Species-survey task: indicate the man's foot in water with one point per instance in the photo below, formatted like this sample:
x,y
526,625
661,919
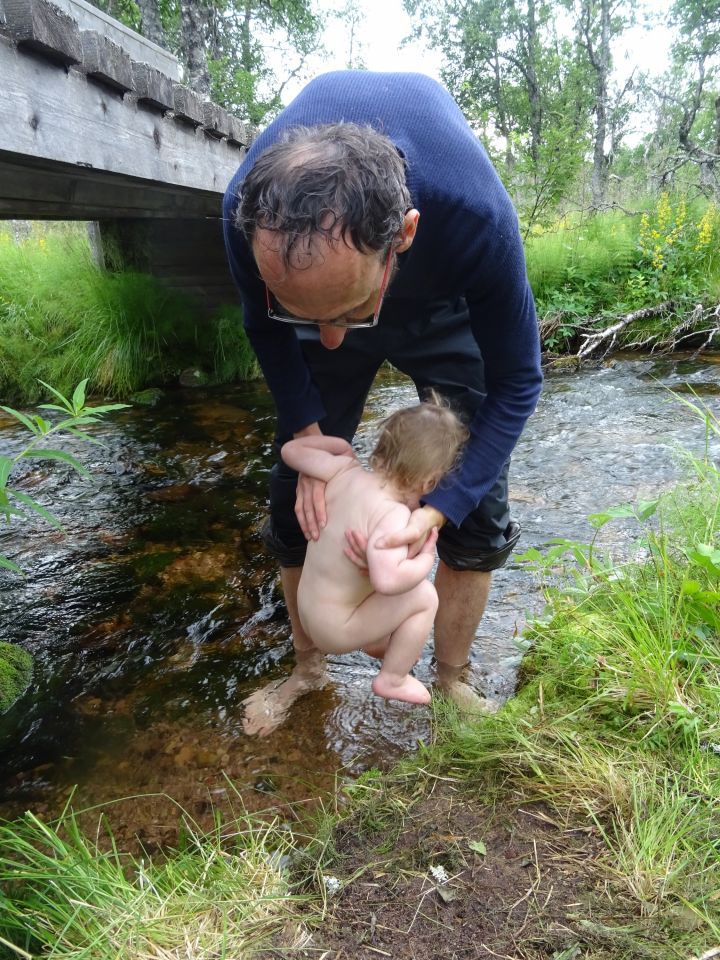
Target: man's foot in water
x,y
450,682
266,709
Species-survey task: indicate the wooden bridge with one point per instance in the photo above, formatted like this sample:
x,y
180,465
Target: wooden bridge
x,y
96,125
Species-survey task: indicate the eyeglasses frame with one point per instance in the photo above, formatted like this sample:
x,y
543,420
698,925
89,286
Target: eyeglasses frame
x,y
349,325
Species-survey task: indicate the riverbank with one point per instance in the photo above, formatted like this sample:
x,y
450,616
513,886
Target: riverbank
x,y
609,281
579,821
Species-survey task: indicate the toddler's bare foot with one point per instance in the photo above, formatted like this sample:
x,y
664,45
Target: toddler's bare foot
x,y
266,709
410,690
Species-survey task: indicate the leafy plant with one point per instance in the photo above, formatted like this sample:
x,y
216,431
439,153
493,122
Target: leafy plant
x,y
76,417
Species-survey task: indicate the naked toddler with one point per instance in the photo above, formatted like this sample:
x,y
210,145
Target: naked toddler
x,y
390,610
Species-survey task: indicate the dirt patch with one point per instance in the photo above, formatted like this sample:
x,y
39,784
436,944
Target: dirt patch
x,y
519,887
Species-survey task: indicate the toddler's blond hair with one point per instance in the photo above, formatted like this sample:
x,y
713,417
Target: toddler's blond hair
x,y
419,445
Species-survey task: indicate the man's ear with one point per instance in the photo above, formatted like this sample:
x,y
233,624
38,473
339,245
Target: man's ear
x,y
407,231
429,485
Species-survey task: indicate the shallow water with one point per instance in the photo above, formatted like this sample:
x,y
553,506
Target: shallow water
x,y
156,611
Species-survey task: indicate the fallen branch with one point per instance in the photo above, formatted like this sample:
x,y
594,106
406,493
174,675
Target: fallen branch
x,y
609,335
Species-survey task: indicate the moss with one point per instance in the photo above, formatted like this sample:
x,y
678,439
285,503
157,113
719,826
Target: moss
x,y
16,667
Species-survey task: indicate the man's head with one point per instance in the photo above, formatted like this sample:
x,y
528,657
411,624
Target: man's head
x,y
325,210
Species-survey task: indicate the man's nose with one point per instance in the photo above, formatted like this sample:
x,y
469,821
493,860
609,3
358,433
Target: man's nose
x,y
332,337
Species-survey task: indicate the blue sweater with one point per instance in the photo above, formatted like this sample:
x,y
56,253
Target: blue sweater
x,y
467,243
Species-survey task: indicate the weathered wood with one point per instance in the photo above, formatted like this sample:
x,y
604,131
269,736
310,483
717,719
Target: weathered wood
x,y
139,48
215,120
60,118
238,132
39,189
187,255
187,105
152,87
45,29
103,60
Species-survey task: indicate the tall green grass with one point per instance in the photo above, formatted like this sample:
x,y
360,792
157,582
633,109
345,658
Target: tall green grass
x,y
590,269
618,713
62,319
219,895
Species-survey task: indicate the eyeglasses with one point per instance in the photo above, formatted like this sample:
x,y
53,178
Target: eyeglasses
x,y
354,324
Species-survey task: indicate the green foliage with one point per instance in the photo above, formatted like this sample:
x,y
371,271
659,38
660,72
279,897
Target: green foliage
x,y
221,894
63,319
16,667
76,418
244,78
596,267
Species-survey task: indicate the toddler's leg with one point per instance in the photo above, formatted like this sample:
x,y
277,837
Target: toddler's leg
x,y
406,644
377,650
409,617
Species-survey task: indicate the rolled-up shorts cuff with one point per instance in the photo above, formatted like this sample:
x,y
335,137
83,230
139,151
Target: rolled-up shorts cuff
x,y
287,554
460,556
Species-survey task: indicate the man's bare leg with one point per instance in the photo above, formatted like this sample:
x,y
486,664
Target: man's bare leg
x,y
463,597
265,709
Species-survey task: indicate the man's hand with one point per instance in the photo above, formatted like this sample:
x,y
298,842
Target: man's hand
x,y
310,496
310,506
421,523
418,534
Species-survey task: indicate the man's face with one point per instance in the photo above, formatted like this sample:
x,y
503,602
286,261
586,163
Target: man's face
x,y
326,280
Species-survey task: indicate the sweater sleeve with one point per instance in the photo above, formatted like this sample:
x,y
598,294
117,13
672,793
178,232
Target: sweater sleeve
x,y
504,324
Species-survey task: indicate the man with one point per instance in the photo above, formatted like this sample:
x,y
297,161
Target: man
x,y
366,224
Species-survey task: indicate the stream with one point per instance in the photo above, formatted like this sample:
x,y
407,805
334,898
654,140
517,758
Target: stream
x,y
155,611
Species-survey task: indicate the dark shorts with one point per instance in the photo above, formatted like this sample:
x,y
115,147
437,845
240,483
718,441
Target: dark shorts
x,y
432,344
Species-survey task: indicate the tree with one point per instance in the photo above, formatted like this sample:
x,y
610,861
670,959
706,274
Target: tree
x,y
697,49
151,23
256,48
520,84
195,18
351,15
599,22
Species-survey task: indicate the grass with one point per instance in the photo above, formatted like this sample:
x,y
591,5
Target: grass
x,y
62,319
588,270
64,895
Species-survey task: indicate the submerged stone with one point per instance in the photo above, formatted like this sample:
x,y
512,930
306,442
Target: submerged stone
x,y
147,398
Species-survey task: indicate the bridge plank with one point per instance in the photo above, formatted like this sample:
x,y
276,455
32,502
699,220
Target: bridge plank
x,y
60,118
45,29
152,87
103,60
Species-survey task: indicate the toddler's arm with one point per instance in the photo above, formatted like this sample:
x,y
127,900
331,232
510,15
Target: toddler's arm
x,y
389,568
317,455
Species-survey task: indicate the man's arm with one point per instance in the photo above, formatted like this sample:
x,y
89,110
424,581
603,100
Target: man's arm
x,y
317,455
504,324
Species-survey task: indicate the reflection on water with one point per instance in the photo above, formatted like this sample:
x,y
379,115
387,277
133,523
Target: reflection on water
x,y
156,611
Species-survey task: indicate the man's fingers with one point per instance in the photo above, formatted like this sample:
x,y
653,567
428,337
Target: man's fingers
x,y
309,494
318,502
356,549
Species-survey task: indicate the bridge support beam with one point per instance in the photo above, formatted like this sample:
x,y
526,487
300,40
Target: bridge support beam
x,y
188,255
